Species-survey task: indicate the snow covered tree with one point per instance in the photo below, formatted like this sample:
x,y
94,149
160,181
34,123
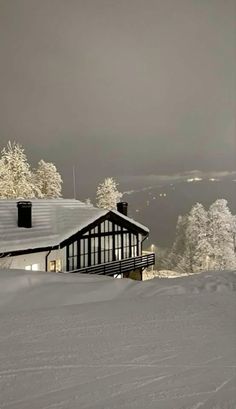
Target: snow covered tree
x,y
16,180
48,180
178,248
108,194
205,240
222,236
88,202
197,246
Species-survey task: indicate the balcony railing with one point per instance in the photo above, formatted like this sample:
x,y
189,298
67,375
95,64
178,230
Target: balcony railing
x,y
119,267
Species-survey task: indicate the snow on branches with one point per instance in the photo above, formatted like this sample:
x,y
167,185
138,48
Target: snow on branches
x,y
18,181
108,194
48,180
205,240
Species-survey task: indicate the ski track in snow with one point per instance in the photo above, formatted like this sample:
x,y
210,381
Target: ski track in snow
x,y
138,349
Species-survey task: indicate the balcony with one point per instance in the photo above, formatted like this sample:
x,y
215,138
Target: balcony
x,y
119,267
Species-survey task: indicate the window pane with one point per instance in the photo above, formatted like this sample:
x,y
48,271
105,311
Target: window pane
x,y
118,240
106,226
95,258
133,239
92,244
35,267
81,261
52,265
86,260
118,254
108,242
134,251
102,257
71,264
96,243
85,245
71,249
82,246
75,248
28,267
126,252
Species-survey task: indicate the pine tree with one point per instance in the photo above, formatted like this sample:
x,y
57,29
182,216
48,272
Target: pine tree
x,y
16,179
48,180
108,194
222,236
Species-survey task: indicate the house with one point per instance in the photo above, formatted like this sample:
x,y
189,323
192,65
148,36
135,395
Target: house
x,y
68,235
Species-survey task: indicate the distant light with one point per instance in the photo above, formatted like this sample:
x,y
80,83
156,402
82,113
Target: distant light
x,y
194,180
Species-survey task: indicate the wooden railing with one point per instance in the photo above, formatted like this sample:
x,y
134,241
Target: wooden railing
x,y
119,267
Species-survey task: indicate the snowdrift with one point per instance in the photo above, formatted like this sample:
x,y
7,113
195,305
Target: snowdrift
x,y
72,341
20,289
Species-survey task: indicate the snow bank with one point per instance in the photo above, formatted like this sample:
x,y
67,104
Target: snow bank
x,y
20,289
69,341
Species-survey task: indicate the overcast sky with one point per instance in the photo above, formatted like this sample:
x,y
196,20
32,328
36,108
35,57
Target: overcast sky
x,y
120,87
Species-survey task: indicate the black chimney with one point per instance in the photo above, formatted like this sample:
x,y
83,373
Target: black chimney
x,y
122,207
24,214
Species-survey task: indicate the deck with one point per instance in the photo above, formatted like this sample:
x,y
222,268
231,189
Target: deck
x,y
119,267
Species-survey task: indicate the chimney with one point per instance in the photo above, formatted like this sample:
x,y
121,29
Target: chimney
x,y
122,207
24,214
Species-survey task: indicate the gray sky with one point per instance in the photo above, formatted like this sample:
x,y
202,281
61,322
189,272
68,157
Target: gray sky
x,y
120,87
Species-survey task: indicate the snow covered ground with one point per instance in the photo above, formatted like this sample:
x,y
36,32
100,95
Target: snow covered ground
x,y
70,341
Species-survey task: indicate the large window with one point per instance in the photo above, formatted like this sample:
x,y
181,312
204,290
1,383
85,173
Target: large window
x,y
72,256
104,243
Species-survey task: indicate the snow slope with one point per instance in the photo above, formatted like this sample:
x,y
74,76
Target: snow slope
x,y
70,341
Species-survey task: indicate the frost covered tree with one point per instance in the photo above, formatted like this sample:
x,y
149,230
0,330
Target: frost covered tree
x,y
177,251
108,194
88,202
197,247
16,179
48,180
205,240
221,236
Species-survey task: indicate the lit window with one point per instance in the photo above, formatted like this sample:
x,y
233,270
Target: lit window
x,y
35,267
55,265
28,267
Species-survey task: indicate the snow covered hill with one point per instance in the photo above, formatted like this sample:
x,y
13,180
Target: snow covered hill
x,y
70,341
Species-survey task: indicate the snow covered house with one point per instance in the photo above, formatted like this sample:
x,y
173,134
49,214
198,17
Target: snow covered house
x,y
68,235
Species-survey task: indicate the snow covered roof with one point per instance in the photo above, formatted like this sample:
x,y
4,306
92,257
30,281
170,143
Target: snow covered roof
x,y
53,221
